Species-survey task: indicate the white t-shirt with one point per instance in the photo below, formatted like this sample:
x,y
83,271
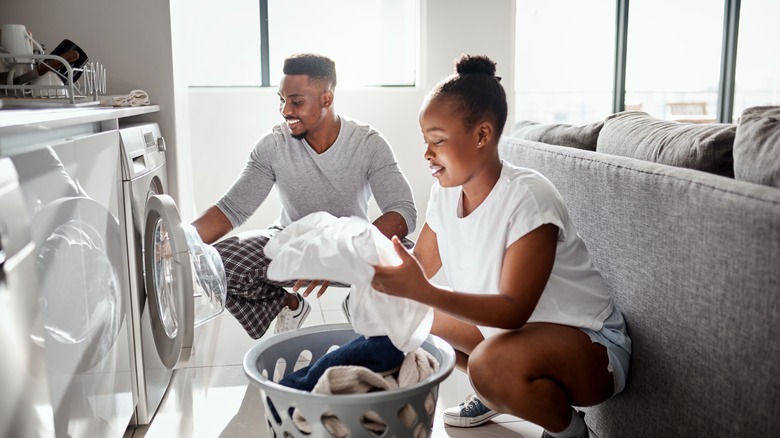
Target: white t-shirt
x,y
472,248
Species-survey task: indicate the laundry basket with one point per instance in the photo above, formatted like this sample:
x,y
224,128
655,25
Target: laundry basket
x,y
271,359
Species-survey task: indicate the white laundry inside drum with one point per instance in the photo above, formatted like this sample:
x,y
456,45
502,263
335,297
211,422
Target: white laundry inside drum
x,y
163,275
208,278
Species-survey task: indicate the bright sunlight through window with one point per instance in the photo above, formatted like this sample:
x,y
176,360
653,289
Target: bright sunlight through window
x,y
373,42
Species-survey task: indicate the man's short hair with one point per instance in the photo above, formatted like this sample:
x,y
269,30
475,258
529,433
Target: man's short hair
x,y
317,67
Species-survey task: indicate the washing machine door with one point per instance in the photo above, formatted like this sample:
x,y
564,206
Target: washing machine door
x,y
169,281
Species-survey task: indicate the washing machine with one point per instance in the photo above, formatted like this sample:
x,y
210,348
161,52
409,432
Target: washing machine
x,y
25,407
71,190
166,276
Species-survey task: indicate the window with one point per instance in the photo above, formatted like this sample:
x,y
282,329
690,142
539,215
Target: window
x,y
373,42
225,49
757,78
564,60
673,57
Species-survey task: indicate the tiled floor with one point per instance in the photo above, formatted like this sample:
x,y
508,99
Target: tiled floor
x,y
213,396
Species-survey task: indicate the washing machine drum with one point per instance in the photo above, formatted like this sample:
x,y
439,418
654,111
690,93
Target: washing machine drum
x,y
185,280
82,300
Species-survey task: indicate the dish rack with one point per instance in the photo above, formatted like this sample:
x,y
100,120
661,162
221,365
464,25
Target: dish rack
x,y
85,91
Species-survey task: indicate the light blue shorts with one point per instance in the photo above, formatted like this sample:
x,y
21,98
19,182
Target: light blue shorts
x,y
614,337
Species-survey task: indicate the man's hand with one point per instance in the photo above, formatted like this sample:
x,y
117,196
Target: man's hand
x,y
312,284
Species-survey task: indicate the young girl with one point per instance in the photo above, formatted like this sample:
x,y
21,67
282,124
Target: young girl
x,y
528,314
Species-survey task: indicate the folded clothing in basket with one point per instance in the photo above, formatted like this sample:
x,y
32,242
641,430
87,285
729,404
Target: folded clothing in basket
x,y
320,246
376,354
416,367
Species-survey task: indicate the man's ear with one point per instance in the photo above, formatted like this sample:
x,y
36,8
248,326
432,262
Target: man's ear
x,y
327,98
484,133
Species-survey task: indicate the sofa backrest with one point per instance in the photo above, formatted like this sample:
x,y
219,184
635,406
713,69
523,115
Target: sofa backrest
x,y
693,261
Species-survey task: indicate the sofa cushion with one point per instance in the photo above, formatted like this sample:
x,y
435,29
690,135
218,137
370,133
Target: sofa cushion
x,y
757,146
580,137
634,134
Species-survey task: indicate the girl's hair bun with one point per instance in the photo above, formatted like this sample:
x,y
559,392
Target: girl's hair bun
x,y
479,64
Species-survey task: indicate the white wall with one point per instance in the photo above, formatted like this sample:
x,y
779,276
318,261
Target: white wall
x,y
133,40
225,123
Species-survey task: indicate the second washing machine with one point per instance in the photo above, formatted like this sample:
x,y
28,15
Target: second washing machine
x,y
71,194
25,407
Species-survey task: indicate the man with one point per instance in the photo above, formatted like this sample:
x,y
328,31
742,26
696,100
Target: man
x,y
319,161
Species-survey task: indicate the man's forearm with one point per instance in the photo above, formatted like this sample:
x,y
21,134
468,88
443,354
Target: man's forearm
x,y
392,224
212,225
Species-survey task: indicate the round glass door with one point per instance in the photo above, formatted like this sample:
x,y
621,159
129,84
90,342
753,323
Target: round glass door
x,y
164,276
168,276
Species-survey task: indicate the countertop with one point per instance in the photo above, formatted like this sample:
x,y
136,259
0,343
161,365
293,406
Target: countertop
x,y
26,129
51,117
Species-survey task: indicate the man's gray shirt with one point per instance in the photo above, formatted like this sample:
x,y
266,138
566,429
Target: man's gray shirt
x,y
339,181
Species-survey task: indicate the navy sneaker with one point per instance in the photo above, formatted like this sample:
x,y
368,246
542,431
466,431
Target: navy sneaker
x,y
470,413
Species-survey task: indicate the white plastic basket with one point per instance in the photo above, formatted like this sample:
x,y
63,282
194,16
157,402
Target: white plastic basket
x,y
271,359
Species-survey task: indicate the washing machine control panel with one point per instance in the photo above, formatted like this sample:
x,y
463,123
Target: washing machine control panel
x,y
143,148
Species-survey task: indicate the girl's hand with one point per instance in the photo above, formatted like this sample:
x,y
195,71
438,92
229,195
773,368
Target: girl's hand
x,y
406,280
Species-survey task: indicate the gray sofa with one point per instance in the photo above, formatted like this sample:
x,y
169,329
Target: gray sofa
x,y
693,261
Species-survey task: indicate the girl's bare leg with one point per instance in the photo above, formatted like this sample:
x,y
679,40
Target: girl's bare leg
x,y
539,371
463,337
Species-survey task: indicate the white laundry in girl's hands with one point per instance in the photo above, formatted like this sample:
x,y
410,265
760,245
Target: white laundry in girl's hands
x,y
317,247
320,246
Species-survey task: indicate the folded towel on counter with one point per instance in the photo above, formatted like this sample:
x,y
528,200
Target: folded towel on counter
x,y
417,366
376,354
320,246
134,98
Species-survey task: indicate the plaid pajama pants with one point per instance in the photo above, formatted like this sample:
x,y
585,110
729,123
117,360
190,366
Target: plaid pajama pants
x,y
252,298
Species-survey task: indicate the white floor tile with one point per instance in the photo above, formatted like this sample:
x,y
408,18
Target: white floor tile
x,y
208,402
513,429
334,316
331,299
221,342
314,318
313,302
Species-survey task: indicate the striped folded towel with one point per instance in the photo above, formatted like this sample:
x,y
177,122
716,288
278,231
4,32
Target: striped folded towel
x,y
134,98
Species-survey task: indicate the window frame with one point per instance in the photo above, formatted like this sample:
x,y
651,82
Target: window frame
x,y
728,62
